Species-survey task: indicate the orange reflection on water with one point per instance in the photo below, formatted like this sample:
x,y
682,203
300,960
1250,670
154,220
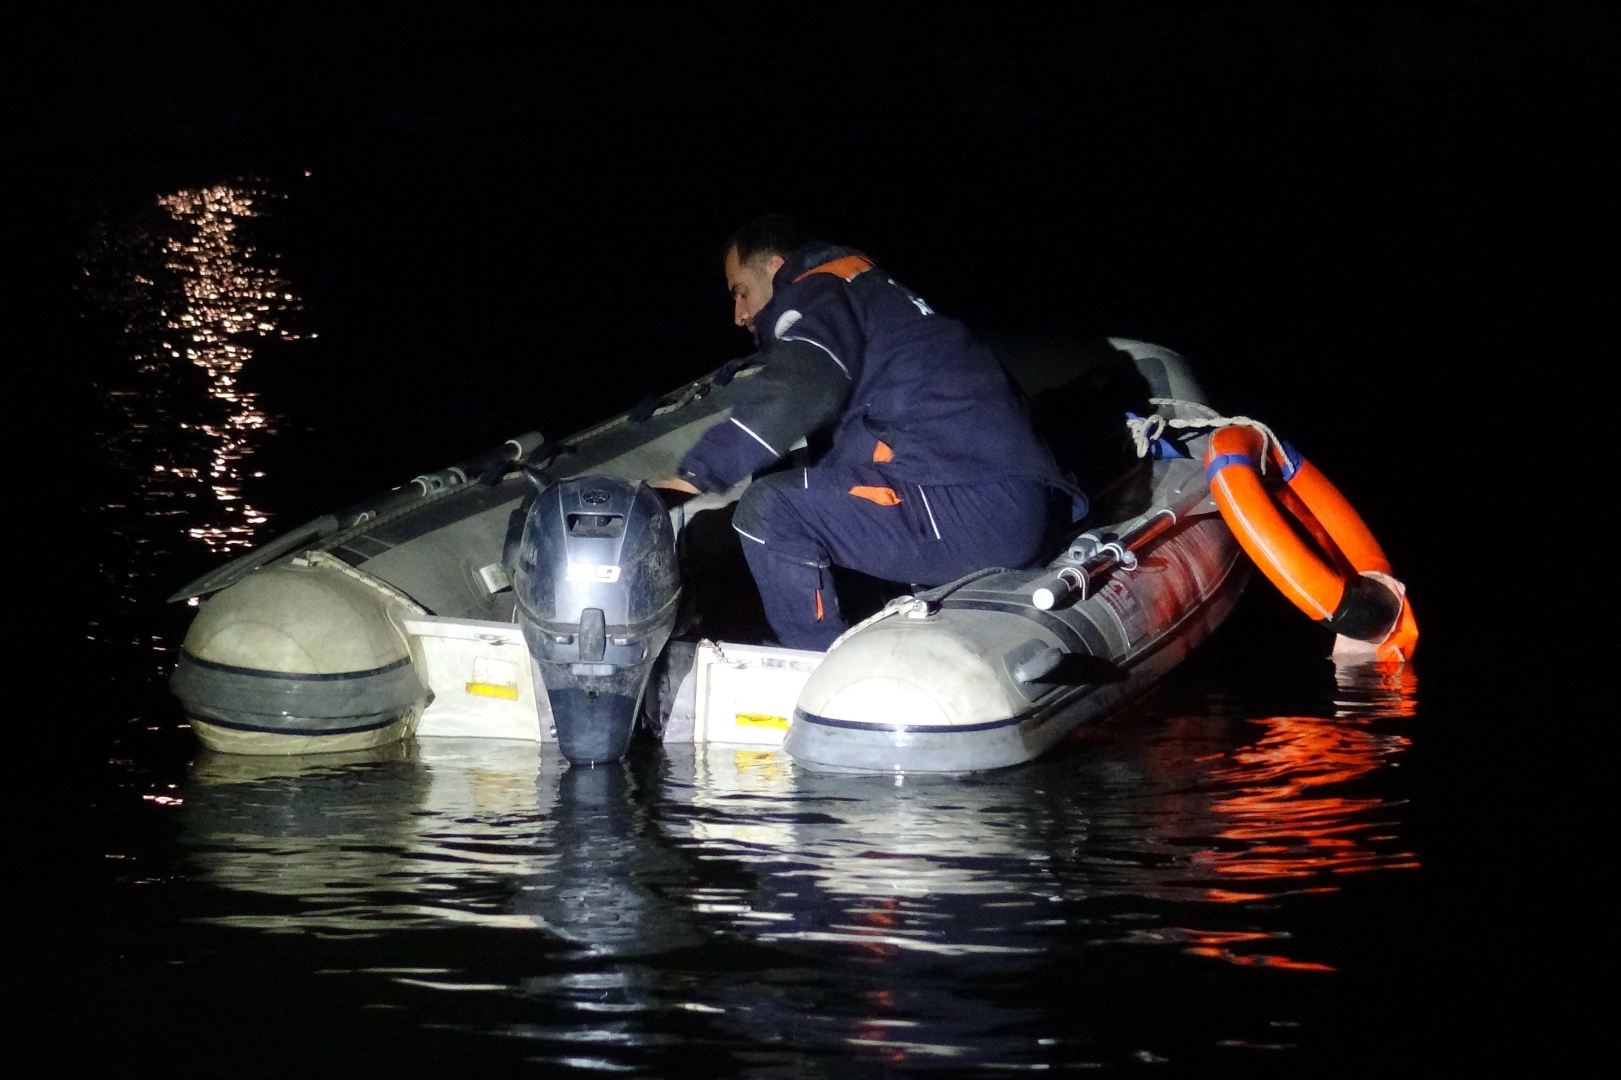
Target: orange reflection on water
x,y
1286,813
1282,820
1256,959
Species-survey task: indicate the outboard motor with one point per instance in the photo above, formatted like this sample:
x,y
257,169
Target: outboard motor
x,y
597,588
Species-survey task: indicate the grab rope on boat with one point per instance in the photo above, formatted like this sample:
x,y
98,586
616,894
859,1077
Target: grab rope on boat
x,y
911,606
1145,429
921,606
328,561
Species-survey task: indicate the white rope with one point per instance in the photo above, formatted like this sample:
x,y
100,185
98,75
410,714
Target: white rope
x,y
901,605
328,561
720,654
1145,430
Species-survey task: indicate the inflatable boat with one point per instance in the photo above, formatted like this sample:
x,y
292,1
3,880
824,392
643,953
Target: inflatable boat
x,y
547,579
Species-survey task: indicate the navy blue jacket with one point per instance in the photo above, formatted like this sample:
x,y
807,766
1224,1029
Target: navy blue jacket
x,y
912,395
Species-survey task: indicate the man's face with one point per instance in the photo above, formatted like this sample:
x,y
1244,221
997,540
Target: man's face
x,y
750,284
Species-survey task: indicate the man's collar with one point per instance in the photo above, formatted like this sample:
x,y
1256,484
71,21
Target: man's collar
x,y
812,254
805,258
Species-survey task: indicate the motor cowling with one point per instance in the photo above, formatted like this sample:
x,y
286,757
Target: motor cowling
x,y
597,588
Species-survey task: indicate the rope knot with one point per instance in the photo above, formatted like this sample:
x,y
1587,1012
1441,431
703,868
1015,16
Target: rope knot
x,y
1145,430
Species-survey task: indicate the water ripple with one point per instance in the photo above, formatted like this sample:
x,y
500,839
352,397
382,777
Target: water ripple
x,y
1154,837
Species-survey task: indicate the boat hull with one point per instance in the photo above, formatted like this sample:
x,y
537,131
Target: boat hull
x,y
302,647
233,738
836,744
250,711
329,601
299,659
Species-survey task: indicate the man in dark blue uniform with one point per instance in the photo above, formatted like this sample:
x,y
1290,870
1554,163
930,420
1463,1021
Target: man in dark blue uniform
x,y
935,470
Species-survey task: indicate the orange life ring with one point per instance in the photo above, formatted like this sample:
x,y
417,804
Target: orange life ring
x,y
1351,591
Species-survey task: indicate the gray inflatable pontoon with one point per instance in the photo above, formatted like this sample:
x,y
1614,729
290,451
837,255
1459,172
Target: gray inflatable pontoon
x,y
302,646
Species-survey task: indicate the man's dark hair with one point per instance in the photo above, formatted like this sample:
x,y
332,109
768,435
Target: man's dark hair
x,y
772,234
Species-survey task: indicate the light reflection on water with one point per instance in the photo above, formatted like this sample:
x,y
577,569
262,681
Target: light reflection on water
x,y
226,298
900,896
192,297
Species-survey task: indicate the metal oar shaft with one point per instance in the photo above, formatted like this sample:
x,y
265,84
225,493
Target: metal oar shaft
x,y
1074,583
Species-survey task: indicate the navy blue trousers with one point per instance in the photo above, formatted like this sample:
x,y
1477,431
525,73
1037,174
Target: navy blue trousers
x,y
796,524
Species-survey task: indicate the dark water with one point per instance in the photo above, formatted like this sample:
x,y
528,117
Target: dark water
x,y
1267,867
1163,892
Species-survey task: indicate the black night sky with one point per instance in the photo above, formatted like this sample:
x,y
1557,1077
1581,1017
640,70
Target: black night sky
x,y
1376,226
1381,227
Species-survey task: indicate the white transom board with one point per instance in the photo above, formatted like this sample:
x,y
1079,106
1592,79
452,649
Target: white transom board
x,y
482,680
746,694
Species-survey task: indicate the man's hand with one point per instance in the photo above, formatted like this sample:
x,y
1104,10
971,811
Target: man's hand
x,y
682,508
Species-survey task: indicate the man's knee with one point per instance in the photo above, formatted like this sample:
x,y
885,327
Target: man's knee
x,y
763,510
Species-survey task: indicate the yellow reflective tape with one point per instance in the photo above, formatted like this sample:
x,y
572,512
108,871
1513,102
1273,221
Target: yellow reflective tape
x,y
500,690
765,720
